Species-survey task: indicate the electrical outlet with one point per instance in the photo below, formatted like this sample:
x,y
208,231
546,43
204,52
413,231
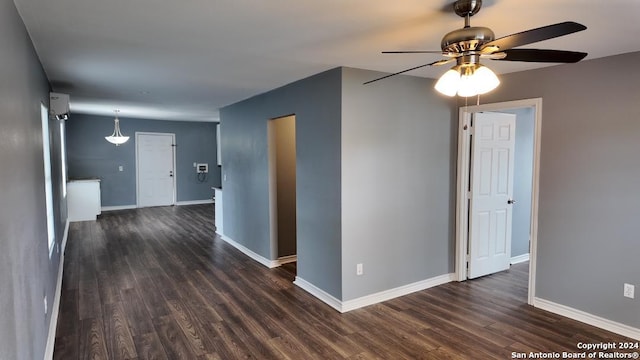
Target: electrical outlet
x,y
45,305
629,291
202,168
120,168
359,269
195,164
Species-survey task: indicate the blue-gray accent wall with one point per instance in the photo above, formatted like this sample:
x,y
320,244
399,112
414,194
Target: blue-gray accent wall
x,y
90,155
316,103
27,272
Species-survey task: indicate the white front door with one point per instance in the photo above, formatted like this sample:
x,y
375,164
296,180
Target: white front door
x,y
492,163
155,169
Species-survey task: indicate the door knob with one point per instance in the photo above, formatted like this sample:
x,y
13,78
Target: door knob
x,y
511,201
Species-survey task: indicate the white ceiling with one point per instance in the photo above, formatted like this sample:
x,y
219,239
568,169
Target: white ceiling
x,y
183,60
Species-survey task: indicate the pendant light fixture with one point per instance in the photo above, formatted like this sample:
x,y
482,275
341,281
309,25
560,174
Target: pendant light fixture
x,y
117,138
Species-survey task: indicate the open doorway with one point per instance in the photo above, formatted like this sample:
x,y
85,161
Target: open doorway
x,y
516,216
282,188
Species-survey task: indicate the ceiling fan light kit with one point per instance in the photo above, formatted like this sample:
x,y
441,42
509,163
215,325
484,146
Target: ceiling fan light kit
x,y
467,80
467,45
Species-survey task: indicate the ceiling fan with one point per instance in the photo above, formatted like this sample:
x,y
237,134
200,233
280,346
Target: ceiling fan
x,y
468,45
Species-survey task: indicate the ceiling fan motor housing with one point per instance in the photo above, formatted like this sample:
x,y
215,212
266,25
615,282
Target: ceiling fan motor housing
x,y
466,39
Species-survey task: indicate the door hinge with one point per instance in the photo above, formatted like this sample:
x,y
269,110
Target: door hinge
x,y
467,266
469,194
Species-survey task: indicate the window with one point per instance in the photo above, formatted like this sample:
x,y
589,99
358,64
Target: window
x,y
48,188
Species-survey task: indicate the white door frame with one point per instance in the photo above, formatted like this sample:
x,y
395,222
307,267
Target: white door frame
x,y
273,188
272,156
462,204
173,152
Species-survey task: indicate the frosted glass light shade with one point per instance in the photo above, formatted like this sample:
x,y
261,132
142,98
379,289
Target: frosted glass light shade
x,y
467,85
485,80
449,82
116,138
467,80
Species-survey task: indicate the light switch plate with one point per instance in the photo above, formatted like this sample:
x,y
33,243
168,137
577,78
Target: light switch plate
x,y
629,291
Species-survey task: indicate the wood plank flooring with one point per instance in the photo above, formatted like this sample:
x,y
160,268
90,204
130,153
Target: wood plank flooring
x,y
156,283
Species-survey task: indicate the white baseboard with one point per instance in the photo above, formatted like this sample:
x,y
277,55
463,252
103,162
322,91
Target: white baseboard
x,y
396,292
286,259
53,322
250,253
194,202
65,236
587,318
119,207
319,293
519,259
345,306
178,203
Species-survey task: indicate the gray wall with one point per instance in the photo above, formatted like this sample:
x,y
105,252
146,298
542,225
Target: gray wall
x,y
588,228
90,155
316,102
398,182
26,272
285,166
522,181
589,174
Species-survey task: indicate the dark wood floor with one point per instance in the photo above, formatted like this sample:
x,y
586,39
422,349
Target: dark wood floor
x,y
156,284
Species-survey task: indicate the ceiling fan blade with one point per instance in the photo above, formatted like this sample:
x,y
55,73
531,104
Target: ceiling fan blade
x,y
402,72
413,52
543,56
532,36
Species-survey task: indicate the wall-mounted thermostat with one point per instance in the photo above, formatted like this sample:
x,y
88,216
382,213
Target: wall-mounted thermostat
x,y
202,168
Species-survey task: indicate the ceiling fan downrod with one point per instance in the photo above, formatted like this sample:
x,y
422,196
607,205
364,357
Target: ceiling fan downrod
x,y
466,9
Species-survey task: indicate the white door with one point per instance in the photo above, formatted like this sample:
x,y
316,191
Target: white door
x,y
155,169
492,162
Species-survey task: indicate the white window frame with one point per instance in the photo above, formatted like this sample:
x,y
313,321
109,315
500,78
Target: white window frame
x,y
48,184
